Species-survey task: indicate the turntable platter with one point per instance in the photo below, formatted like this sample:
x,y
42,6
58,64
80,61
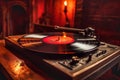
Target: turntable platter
x,y
58,43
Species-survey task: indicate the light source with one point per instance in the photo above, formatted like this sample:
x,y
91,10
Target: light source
x,y
67,24
65,9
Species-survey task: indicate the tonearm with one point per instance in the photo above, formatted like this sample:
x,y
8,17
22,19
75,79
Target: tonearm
x,y
88,32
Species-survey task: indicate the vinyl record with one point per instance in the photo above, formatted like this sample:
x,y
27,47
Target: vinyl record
x,y
58,43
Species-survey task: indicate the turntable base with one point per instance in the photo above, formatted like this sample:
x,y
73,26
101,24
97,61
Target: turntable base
x,y
87,67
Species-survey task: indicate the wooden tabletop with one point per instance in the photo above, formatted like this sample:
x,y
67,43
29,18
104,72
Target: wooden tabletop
x,y
17,68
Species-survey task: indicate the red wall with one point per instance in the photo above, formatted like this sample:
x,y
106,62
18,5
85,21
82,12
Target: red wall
x,y
55,10
59,16
40,9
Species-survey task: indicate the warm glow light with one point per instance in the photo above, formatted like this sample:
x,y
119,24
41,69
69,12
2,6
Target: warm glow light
x,y
64,34
17,67
65,3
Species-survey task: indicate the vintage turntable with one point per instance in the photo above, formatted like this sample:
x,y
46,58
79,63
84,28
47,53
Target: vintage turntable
x,y
65,55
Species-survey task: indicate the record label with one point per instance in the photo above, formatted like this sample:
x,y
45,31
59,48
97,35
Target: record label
x,y
58,40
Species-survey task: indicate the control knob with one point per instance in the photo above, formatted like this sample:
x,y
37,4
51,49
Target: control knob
x,y
75,60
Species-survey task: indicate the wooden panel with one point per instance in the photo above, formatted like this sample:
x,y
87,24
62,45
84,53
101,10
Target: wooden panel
x,y
103,15
78,13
